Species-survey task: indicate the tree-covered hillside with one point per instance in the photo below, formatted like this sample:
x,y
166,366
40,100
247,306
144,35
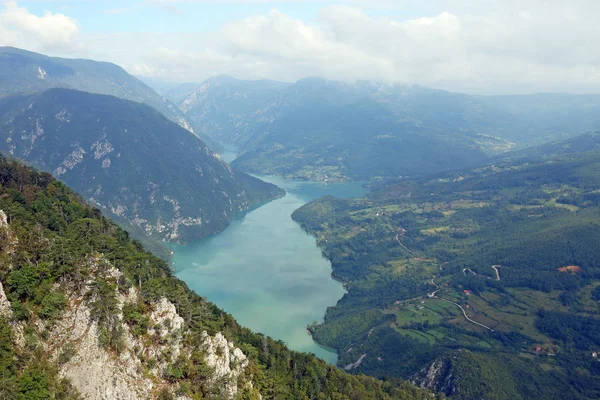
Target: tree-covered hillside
x,y
579,144
130,160
224,108
324,130
318,129
86,312
478,283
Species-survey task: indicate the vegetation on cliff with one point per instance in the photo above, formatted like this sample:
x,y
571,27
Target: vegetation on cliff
x,y
58,253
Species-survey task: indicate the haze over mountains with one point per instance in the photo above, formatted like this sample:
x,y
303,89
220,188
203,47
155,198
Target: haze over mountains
x,y
324,130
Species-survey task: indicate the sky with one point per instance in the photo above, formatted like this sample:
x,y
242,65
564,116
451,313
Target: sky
x,y
472,46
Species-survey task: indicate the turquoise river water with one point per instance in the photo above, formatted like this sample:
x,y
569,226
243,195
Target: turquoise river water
x,y
266,271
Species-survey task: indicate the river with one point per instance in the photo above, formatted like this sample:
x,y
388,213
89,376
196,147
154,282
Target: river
x,y
266,271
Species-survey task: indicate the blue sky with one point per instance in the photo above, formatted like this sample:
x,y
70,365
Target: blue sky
x,y
127,16
474,46
165,16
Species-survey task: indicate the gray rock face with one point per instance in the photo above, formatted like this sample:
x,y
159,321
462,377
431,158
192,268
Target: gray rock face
x,y
137,370
5,310
437,377
227,361
8,241
93,370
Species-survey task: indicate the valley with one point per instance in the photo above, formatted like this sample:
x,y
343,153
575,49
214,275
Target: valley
x,y
266,271
448,274
312,239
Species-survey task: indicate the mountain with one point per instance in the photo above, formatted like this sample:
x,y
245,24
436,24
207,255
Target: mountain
x,y
222,107
579,144
325,130
85,312
328,130
130,160
478,283
25,72
543,117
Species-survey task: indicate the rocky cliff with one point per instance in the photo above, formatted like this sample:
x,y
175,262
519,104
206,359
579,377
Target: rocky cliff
x,y
136,369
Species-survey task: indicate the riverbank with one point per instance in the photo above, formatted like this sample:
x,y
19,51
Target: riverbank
x,y
266,271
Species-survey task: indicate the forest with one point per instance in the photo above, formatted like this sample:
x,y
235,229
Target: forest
x,y
500,261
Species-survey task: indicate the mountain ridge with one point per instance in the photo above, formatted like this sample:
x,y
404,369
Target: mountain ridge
x,y
489,125
129,159
26,72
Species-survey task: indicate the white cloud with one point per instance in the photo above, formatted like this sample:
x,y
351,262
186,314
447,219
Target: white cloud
x,y
522,47
465,45
50,32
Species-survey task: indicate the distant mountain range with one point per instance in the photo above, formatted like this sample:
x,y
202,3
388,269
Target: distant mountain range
x,y
325,130
578,144
224,108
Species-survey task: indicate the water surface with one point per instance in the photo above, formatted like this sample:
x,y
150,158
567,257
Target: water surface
x,y
266,271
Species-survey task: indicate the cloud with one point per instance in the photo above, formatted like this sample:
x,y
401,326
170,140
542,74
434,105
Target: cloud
x,y
483,46
50,32
524,47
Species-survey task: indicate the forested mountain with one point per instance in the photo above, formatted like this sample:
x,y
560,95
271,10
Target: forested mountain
x,y
225,108
324,130
579,144
480,283
85,312
130,160
538,118
25,72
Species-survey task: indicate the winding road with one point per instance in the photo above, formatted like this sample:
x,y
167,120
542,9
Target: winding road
x,y
401,229
465,313
497,273
495,267
432,294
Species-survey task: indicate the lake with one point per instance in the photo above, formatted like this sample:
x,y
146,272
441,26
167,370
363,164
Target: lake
x,y
266,271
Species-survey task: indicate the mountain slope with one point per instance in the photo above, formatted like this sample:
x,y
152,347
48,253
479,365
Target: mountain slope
x,y
223,107
319,129
24,72
480,283
130,160
87,313
543,117
579,144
